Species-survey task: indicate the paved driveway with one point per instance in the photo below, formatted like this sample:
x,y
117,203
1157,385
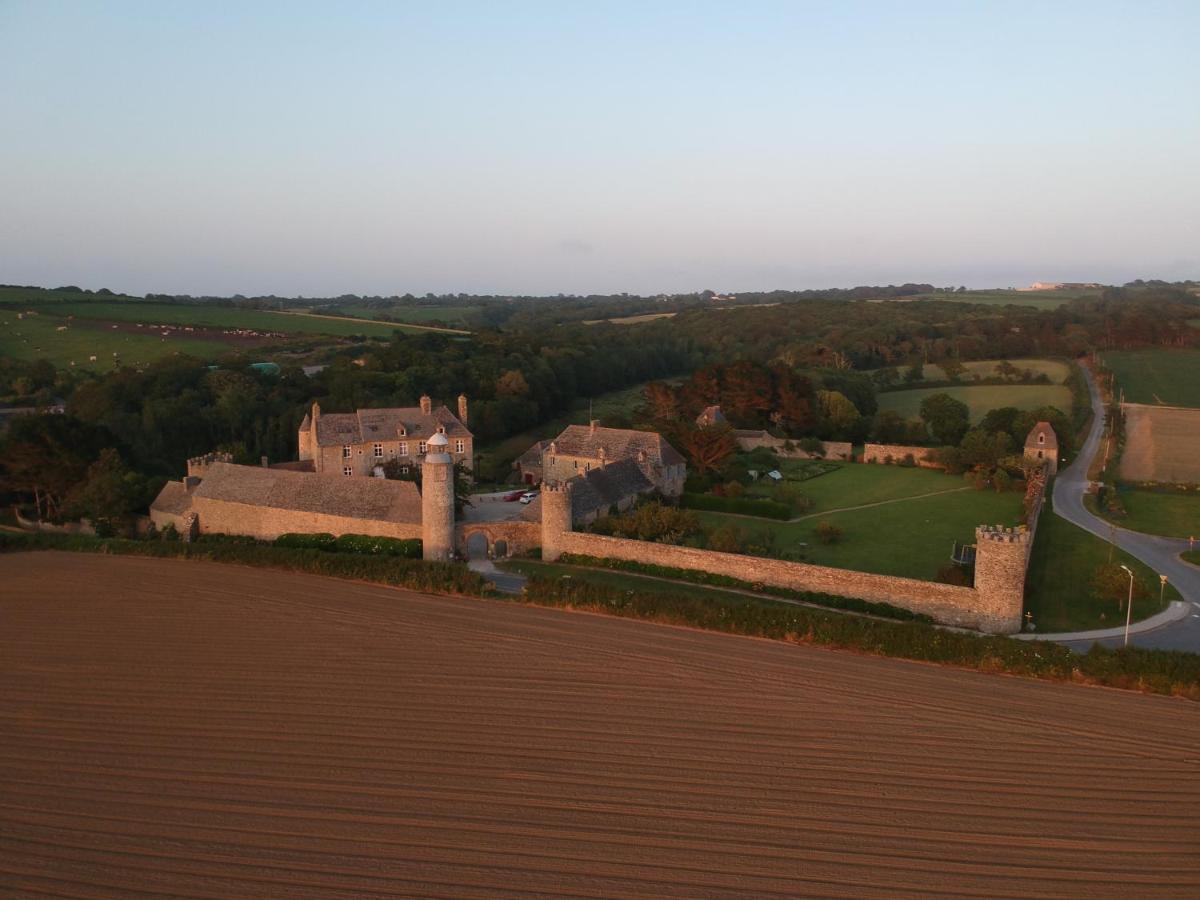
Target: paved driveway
x,y
1159,553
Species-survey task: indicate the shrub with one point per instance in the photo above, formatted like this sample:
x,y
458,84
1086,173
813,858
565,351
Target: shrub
x,y
378,546
828,533
319,541
170,533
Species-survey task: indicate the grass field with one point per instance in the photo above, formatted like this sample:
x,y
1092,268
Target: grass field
x,y
854,484
631,320
1055,369
1168,377
37,337
418,315
1036,299
1171,515
980,398
913,537
1065,559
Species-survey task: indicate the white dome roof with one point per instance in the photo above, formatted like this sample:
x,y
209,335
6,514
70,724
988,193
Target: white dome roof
x,y
438,440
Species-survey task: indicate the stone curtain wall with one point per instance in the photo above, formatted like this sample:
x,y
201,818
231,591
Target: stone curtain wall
x,y
948,604
751,440
266,524
896,453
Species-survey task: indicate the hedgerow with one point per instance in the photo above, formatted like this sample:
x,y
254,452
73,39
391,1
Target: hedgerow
x,y
767,509
1153,671
353,543
711,579
434,577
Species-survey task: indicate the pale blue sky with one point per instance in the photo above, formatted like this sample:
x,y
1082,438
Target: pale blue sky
x,y
542,147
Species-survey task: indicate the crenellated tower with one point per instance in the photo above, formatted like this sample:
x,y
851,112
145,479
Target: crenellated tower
x,y
1001,560
556,518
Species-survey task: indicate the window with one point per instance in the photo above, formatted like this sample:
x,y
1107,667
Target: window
x,y
575,463
346,451
441,429
460,446
379,451
587,467
404,470
347,470
1041,439
404,448
422,447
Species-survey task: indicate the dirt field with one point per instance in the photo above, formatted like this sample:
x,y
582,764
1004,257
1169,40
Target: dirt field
x,y
1161,444
201,730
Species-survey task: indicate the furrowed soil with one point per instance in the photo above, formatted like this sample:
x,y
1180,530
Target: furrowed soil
x,y
193,729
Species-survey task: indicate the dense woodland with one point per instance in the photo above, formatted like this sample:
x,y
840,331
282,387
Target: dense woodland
x,y
799,368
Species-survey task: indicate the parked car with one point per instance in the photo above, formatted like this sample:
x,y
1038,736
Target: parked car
x,y
528,496
514,496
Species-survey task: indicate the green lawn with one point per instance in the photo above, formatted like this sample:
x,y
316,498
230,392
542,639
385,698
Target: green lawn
x,y
37,337
980,398
854,484
912,537
1057,591
1172,515
1169,377
1191,556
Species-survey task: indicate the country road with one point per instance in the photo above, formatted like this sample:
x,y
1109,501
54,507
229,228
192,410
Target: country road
x,y
1160,553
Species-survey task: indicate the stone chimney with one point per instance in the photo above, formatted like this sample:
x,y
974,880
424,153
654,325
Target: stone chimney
x,y
592,426
426,404
462,408
264,463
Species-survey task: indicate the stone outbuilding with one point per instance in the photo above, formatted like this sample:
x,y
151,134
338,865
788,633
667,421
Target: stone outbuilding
x,y
1042,444
581,448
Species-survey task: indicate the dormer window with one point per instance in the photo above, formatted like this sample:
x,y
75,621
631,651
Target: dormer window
x,y
401,431
441,429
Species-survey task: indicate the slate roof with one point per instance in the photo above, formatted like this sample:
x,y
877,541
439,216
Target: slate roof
x,y
618,444
532,458
600,488
335,495
366,425
173,499
712,415
1051,442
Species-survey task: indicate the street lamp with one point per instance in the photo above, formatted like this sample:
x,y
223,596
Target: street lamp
x,y
1162,588
1129,605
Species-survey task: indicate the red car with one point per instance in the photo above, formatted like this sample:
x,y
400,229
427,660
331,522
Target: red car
x,y
514,496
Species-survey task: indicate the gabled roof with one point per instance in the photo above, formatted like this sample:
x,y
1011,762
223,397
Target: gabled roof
x,y
617,443
712,415
335,495
366,425
173,499
1043,429
532,458
600,488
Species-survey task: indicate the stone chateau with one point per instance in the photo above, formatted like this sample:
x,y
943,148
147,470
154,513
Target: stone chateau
x,y
586,472
359,443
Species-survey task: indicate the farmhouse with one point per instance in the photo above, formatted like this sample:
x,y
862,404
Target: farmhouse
x,y
581,448
359,443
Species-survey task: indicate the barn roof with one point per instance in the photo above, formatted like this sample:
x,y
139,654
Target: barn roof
x,y
335,495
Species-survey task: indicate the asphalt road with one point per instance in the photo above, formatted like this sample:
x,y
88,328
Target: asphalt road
x,y
1160,553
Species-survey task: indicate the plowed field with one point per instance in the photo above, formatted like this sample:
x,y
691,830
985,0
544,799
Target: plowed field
x,y
191,729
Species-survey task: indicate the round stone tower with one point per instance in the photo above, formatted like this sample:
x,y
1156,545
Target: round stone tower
x,y
556,518
437,500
